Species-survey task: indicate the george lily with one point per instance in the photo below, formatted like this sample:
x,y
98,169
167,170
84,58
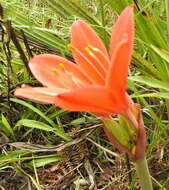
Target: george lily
x,y
97,82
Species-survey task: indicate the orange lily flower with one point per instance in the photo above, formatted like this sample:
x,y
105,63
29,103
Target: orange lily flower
x,y
97,82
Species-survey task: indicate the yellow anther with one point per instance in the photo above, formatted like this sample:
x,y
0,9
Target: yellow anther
x,y
55,70
70,46
90,48
62,67
87,49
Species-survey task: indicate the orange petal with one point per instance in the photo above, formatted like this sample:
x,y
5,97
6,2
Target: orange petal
x,y
90,99
43,68
121,51
123,28
38,94
82,36
117,75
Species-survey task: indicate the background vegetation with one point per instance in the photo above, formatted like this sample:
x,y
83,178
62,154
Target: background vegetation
x,y
43,147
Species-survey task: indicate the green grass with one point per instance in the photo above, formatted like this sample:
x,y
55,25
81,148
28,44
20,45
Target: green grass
x,y
46,26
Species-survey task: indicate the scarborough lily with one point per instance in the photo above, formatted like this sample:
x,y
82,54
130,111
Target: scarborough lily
x,y
97,82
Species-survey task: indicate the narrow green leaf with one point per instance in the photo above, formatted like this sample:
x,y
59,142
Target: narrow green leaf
x,y
164,54
144,66
39,35
83,120
34,124
118,6
43,161
26,104
13,155
56,129
148,31
150,82
7,128
71,7
167,14
153,95
42,126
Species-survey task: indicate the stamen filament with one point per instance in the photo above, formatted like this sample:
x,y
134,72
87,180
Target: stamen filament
x,y
74,79
89,62
60,73
100,56
66,78
88,50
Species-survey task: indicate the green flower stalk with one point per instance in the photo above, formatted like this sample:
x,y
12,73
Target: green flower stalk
x,y
130,138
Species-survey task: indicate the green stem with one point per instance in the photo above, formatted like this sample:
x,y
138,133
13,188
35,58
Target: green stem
x,y
144,175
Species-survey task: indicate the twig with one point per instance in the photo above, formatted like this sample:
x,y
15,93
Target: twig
x,y
8,55
90,173
103,148
15,41
26,44
40,148
1,12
